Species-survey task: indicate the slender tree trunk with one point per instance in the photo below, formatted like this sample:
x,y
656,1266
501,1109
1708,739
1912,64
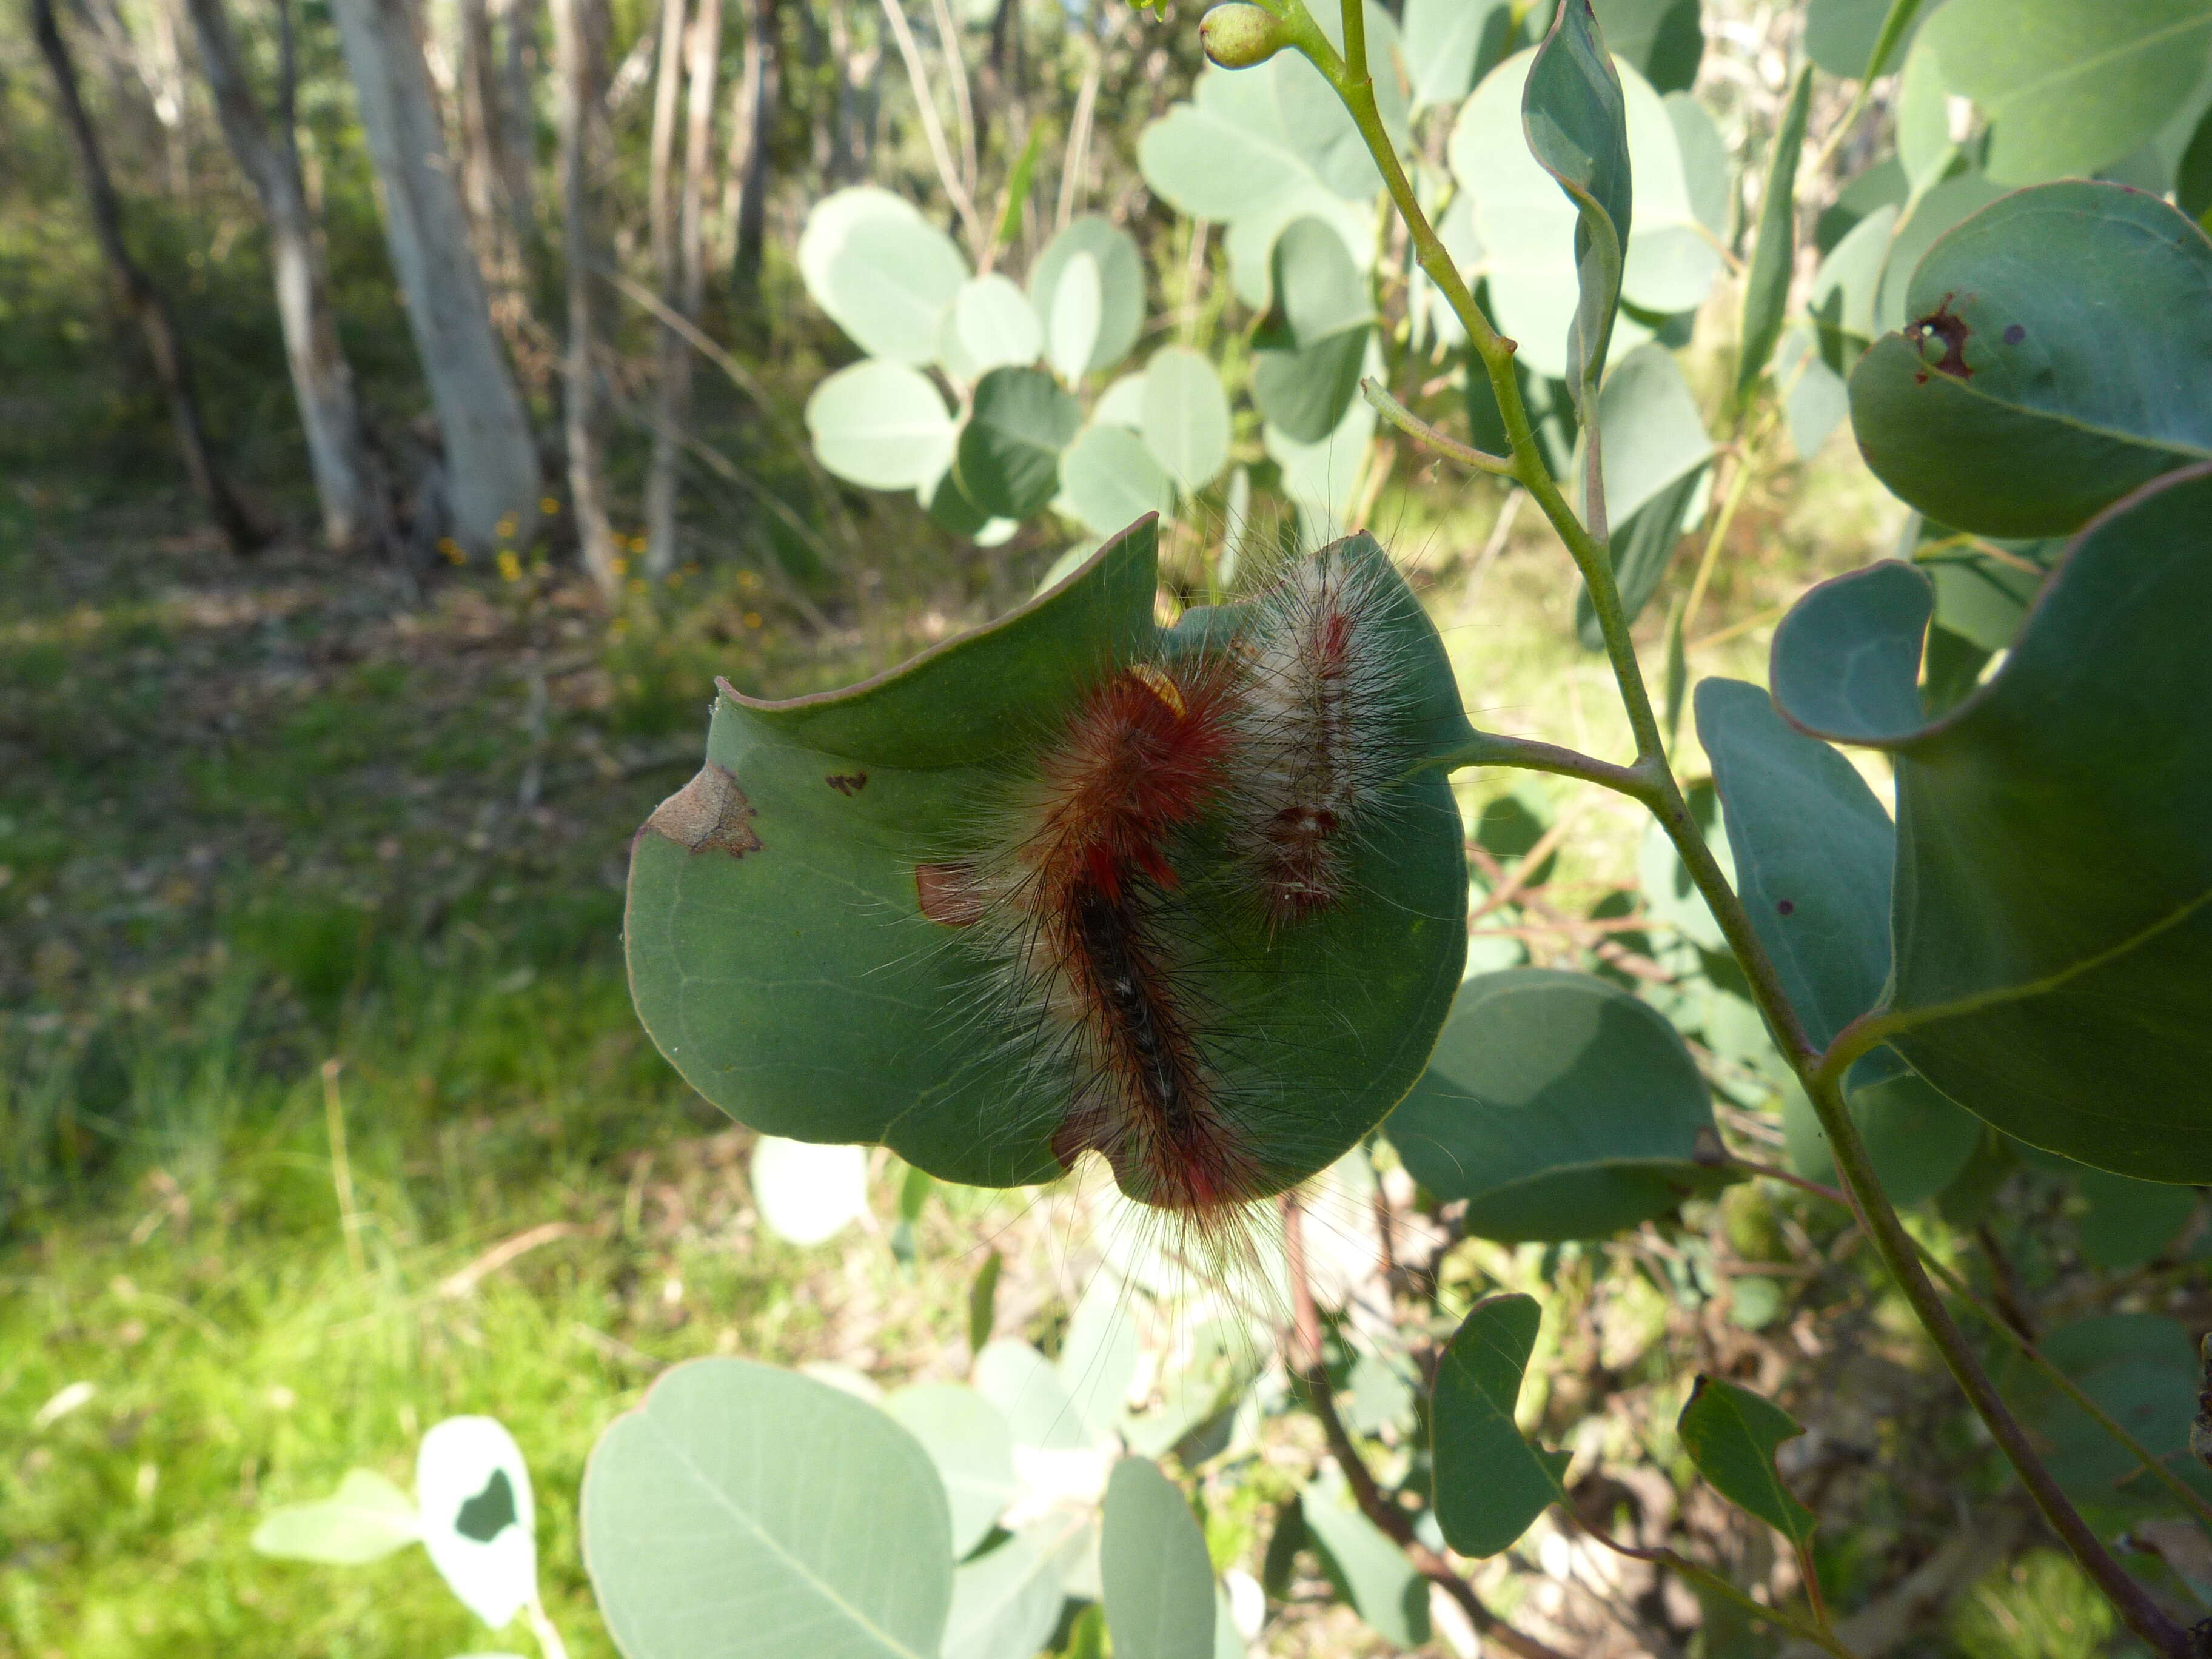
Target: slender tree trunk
x,y
580,36
688,292
761,95
488,187
348,483
491,461
172,364
668,354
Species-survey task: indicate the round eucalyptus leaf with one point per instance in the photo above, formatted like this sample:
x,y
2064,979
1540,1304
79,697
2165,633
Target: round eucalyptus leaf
x,y
948,505
1110,479
880,425
1184,418
1443,44
1007,1603
745,1512
2052,939
1076,300
829,220
967,1438
2140,1368
1120,271
1707,174
1918,1140
1151,1557
886,280
2053,362
2069,87
1559,1107
807,1193
780,958
1367,1569
1956,199
1664,39
1009,452
995,325
1306,392
1122,403
472,1492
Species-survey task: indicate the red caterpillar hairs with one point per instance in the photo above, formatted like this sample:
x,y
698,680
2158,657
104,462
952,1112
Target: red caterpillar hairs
x,y
1072,903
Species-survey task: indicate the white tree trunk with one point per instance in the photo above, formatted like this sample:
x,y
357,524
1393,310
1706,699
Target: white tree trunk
x,y
669,358
491,461
580,45
356,510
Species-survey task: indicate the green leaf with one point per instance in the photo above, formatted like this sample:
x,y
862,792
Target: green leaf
x,y
1814,399
2069,87
2141,1370
1577,130
1009,454
1774,255
967,1438
1319,477
1813,854
1109,479
1185,417
1845,288
1928,216
1027,1390
744,1510
1706,168
1655,454
1918,1141
2126,1223
778,956
1121,272
1527,227
1841,35
1445,42
365,1520
991,325
1152,1562
1073,320
2053,939
1306,393
1730,1434
881,425
1491,1484
1007,1603
1665,39
1559,1107
1319,292
2051,364
881,271
983,1300
1369,1570
2192,180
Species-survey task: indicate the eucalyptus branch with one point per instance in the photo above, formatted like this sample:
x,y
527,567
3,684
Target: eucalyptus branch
x,y
2020,1339
1651,781
1900,1254
1374,1504
1817,1632
1427,436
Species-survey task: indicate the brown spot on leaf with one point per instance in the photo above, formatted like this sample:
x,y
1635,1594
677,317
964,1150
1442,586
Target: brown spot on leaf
x,y
847,783
1941,339
1785,906
950,894
709,813
2016,334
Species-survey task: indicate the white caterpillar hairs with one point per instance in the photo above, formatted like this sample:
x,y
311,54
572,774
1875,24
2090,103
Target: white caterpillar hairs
x,y
1320,693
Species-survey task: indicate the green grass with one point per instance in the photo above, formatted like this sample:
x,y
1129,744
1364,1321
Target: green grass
x,y
238,1358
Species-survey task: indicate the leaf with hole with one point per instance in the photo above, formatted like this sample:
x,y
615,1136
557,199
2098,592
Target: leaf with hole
x,y
2052,363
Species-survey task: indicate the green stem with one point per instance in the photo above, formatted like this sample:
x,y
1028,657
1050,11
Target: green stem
x,y
1427,436
1900,1254
1817,1633
1651,781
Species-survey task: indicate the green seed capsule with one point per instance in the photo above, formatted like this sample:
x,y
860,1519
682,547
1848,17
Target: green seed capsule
x,y
1240,36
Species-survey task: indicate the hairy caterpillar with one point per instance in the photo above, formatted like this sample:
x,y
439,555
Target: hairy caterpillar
x,y
1017,899
1252,761
1322,701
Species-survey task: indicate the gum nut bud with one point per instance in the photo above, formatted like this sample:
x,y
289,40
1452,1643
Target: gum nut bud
x,y
1240,36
